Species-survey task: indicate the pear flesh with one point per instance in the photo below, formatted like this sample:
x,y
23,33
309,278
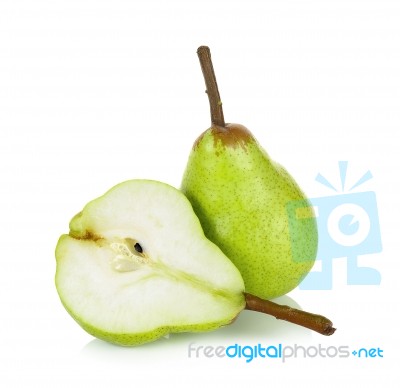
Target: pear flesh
x,y
137,266
252,209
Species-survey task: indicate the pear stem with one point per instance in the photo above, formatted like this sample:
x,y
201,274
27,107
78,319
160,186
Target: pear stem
x,y
314,322
217,114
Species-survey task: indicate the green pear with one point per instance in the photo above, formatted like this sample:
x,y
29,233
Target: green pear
x,y
137,266
248,204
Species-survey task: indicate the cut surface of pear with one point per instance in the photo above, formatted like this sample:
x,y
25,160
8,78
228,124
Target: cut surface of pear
x,y
137,266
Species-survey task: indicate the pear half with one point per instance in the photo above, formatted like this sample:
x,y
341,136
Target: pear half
x,y
137,266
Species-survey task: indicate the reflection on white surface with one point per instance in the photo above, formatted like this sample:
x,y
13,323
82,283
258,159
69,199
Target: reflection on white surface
x,y
249,328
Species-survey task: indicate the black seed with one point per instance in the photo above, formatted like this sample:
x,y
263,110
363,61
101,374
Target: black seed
x,y
138,248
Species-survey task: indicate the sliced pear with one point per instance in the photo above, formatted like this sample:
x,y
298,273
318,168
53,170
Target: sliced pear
x,y
137,266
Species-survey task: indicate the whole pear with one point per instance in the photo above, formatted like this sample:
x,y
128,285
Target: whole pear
x,y
248,204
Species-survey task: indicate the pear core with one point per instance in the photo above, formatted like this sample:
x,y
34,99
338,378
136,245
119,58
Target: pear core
x,y
127,259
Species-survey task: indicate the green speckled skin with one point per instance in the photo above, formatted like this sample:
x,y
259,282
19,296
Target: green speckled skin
x,y
241,196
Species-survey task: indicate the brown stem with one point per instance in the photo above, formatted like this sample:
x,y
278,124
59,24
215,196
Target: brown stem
x,y
314,322
217,114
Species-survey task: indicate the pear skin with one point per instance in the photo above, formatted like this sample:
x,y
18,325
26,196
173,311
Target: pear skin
x,y
242,199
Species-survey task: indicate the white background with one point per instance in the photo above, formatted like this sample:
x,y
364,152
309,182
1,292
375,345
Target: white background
x,y
96,92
